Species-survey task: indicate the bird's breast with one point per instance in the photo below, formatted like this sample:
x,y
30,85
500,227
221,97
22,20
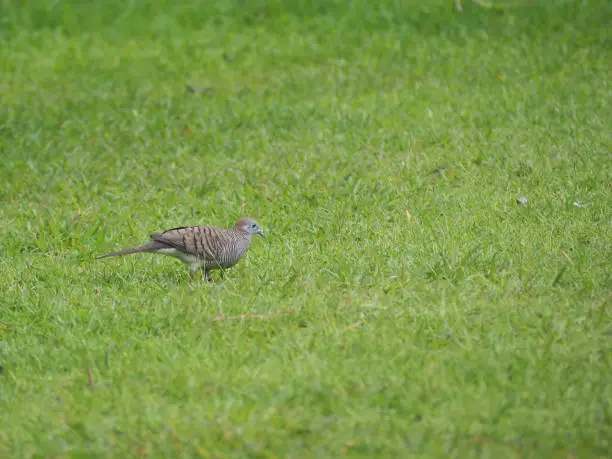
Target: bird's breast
x,y
229,254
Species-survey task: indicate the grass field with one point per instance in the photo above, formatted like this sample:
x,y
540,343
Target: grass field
x,y
435,187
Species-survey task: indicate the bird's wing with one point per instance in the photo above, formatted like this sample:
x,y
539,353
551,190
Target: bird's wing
x,y
202,241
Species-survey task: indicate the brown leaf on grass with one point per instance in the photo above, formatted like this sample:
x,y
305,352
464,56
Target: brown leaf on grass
x,y
90,381
74,219
253,316
139,451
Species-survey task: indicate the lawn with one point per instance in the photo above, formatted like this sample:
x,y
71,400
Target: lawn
x,y
435,188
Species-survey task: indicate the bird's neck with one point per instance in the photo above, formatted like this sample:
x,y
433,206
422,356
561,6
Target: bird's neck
x,y
243,235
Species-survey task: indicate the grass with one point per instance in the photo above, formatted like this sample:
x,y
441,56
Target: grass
x,y
404,303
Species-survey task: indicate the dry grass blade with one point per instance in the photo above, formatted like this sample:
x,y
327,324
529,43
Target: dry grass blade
x,y
90,381
253,316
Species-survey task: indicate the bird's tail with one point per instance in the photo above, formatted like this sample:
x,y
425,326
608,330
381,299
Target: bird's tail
x,y
152,246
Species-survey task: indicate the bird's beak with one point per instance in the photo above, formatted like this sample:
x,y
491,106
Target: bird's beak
x,y
260,232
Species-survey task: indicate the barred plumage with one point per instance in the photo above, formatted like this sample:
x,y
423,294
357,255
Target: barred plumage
x,y
203,247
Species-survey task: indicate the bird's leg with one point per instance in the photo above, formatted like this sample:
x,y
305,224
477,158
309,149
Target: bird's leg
x,y
207,275
192,271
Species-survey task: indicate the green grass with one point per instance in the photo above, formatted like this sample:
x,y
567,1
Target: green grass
x,y
383,147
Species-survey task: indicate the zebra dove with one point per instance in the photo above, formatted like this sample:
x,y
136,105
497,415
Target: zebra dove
x,y
201,246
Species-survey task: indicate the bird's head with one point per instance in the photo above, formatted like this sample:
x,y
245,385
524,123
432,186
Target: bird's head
x,y
249,226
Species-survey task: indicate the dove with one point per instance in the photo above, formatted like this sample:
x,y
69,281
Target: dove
x,y
201,247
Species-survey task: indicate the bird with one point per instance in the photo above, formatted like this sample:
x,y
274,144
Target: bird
x,y
204,247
